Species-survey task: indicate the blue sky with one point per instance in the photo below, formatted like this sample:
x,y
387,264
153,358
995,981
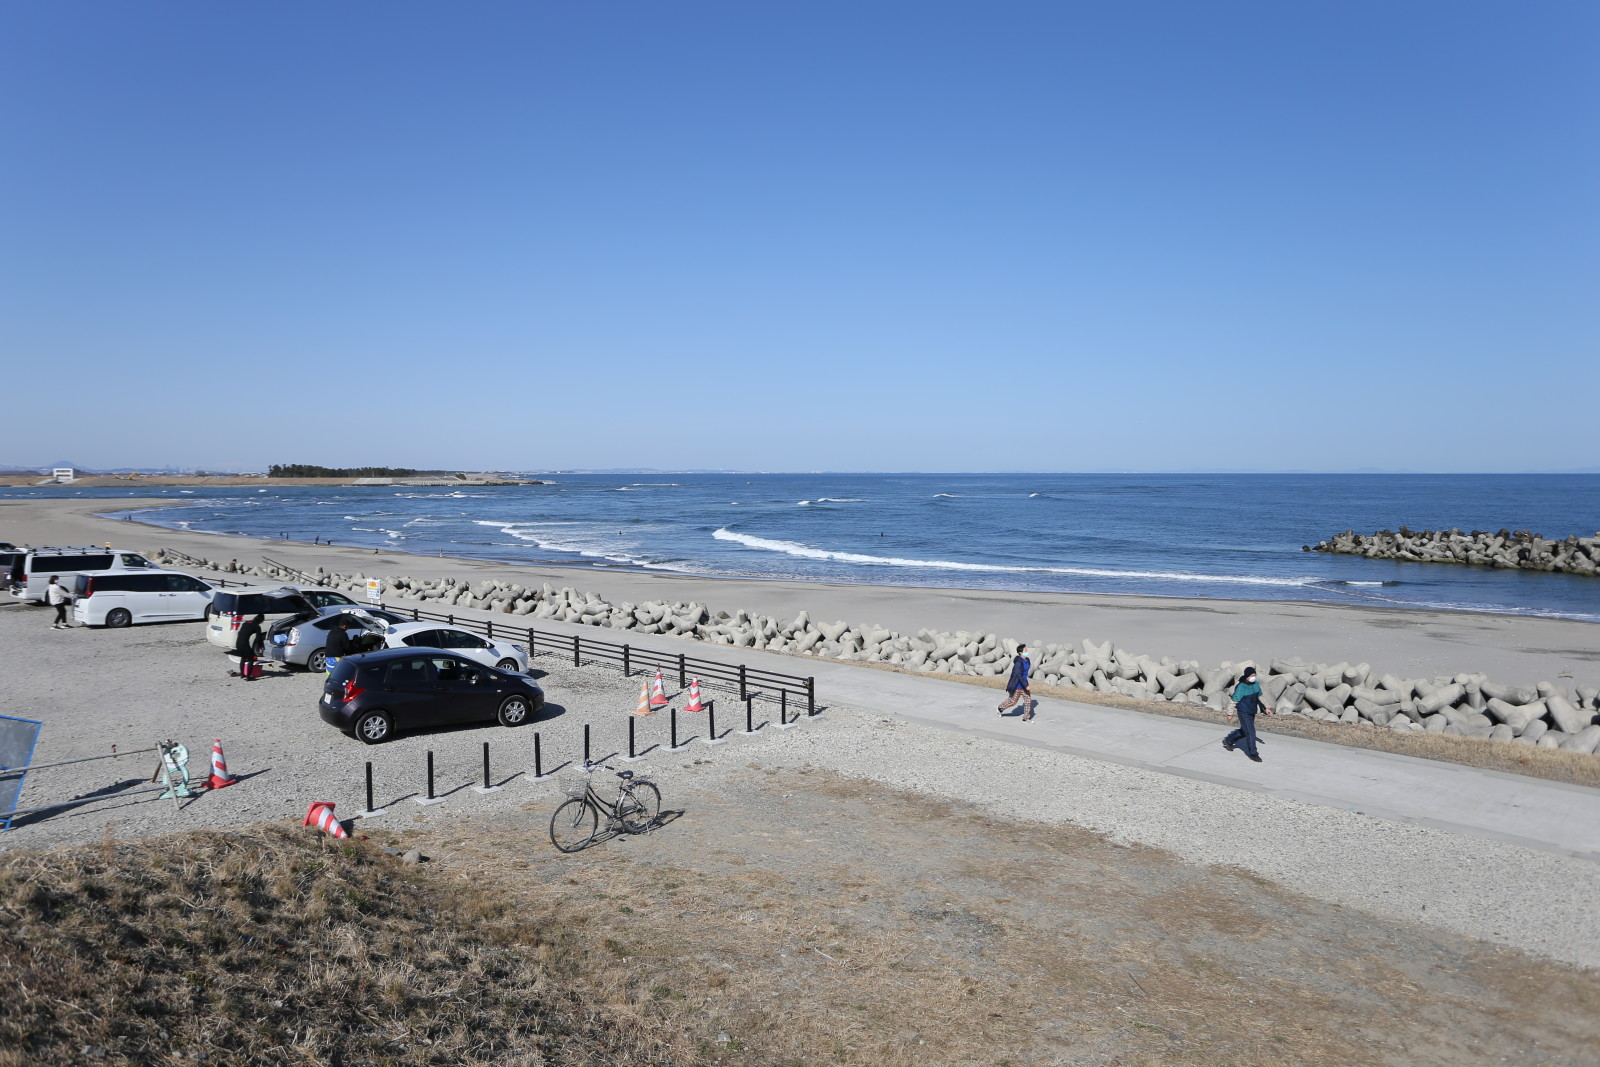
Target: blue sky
x,y
799,236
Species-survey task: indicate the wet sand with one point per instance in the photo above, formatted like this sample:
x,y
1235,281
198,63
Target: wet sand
x,y
1508,648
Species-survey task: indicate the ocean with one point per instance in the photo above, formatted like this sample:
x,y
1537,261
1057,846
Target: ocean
x,y
1192,536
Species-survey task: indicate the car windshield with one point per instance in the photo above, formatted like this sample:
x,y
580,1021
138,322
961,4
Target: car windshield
x,y
324,598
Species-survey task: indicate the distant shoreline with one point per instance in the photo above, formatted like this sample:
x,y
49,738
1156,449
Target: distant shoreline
x,y
119,481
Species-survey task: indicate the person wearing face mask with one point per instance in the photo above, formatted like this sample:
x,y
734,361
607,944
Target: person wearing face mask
x,y
1246,697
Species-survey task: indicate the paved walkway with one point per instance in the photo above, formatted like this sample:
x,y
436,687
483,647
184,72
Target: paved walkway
x,y
1550,816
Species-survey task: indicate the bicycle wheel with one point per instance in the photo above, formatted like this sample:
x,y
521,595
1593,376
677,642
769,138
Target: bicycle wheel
x,y
572,826
637,810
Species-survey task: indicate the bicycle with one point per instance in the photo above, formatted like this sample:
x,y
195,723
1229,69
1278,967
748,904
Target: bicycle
x,y
577,819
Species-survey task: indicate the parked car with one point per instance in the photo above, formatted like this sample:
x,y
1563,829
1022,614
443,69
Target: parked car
x,y
374,695
32,569
231,607
300,640
122,598
501,654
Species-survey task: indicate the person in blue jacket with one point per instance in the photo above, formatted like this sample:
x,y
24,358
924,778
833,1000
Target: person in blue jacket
x,y
1246,697
1017,685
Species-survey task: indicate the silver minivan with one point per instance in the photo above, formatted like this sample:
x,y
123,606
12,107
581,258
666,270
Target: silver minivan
x,y
122,598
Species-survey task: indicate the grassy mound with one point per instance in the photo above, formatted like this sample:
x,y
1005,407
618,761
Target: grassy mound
x,y
278,945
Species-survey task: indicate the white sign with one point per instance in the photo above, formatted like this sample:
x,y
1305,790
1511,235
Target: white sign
x,y
374,591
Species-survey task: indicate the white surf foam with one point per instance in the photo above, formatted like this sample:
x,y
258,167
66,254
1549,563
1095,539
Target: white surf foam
x,y
795,548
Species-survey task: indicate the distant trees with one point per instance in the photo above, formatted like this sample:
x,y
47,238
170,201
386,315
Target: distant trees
x,y
311,470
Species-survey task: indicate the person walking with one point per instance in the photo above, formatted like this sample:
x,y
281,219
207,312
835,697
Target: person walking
x,y
56,595
1017,685
1246,697
245,647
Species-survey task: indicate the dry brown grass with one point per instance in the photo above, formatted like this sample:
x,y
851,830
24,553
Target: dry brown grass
x,y
276,946
1577,768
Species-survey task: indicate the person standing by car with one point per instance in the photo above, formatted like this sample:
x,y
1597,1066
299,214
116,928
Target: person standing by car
x,y
56,595
339,643
245,647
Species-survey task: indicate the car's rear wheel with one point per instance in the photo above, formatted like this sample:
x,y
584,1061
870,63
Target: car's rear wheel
x,y
509,664
117,618
375,727
515,710
317,661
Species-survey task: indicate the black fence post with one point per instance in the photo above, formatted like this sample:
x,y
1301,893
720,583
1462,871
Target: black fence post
x,y
450,619
742,691
683,675
811,696
577,650
489,627
627,666
416,615
585,744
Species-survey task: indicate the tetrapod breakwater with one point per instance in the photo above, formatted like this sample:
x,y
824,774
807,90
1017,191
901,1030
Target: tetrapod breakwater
x,y
1505,549
1468,704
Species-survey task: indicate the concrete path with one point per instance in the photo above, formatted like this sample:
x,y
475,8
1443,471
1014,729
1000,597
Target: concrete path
x,y
1549,816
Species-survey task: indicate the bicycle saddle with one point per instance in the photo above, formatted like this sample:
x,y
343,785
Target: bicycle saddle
x,y
624,775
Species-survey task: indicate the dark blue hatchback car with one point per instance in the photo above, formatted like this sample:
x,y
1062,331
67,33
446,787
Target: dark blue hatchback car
x,y
376,694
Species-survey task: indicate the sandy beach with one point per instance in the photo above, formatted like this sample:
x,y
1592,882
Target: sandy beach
x,y
1513,649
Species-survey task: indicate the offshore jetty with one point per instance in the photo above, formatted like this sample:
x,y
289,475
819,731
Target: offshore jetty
x,y
1511,550
1470,705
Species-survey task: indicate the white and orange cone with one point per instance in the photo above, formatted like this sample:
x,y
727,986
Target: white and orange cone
x,y
658,692
320,815
695,703
644,707
219,768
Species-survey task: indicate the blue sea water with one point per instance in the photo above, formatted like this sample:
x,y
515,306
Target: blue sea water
x,y
1199,536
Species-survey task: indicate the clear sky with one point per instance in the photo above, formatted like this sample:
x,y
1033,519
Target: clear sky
x,y
805,235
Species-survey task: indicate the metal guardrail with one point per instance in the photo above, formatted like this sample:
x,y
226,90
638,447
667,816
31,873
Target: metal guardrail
x,y
298,575
748,682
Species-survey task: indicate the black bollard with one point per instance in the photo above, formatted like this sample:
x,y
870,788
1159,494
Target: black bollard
x,y
783,706
369,786
711,720
674,728
486,765
586,744
430,774
538,758
749,718
632,722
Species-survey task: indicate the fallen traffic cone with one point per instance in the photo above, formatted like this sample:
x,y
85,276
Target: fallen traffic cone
x,y
219,768
695,703
644,707
321,814
658,693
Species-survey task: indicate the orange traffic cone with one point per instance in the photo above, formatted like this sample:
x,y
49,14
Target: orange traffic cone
x,y
219,768
658,693
644,707
321,815
695,703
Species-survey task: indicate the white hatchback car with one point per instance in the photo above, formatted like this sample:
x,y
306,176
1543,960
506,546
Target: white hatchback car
x,y
501,654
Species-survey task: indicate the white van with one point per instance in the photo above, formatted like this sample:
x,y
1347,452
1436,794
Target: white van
x,y
32,571
122,598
